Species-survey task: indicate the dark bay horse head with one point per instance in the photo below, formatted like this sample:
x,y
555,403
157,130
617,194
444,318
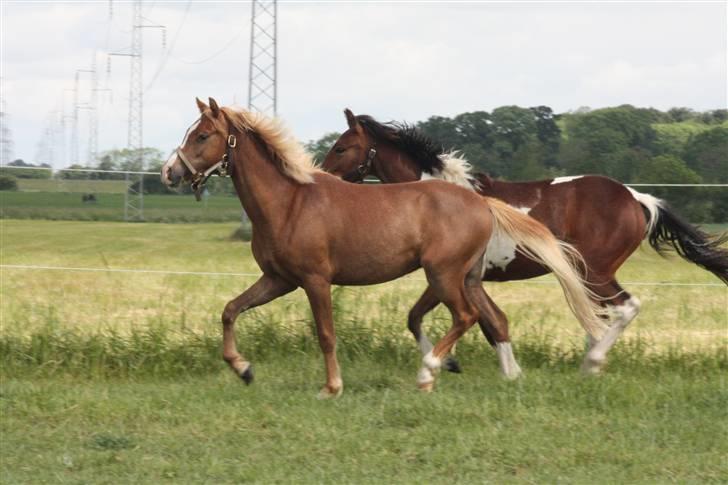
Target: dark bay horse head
x,y
203,150
362,149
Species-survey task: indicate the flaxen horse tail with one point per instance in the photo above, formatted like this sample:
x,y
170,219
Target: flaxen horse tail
x,y
668,231
535,241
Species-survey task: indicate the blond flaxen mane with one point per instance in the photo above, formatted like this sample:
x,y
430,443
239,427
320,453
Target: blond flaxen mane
x,y
289,154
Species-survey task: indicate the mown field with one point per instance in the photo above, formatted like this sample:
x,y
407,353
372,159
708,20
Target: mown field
x,y
114,377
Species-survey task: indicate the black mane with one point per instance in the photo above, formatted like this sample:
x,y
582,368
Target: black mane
x,y
407,138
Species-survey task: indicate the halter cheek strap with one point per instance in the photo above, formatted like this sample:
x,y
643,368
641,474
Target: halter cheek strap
x,y
221,168
358,174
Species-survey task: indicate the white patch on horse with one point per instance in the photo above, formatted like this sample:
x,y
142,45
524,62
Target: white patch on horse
x,y
501,248
500,252
509,366
190,130
563,180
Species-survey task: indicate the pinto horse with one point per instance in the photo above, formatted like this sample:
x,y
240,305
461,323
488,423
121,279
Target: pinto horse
x,y
310,231
602,218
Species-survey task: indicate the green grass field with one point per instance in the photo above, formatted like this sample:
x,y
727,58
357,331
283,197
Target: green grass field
x,y
110,207
117,377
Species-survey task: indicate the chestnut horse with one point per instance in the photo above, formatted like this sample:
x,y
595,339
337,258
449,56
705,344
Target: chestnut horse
x,y
602,218
312,230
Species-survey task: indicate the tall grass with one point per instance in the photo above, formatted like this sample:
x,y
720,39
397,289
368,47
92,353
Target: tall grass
x,y
164,348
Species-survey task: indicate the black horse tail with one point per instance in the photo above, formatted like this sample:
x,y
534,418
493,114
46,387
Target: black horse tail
x,y
668,231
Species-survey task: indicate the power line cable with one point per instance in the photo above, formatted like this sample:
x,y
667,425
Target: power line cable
x,y
168,52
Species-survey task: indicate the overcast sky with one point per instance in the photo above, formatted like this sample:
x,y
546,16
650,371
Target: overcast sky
x,y
402,61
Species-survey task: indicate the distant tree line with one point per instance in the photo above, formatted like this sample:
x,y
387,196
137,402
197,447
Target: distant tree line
x,y
632,145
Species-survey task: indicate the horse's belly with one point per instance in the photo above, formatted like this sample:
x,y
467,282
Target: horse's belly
x,y
371,271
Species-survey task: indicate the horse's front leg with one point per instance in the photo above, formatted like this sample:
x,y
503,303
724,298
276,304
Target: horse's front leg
x,y
267,288
319,296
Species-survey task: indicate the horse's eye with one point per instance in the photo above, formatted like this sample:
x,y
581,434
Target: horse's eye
x,y
202,137
339,149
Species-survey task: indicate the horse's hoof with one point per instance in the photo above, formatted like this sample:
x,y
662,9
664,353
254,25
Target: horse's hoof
x,y
591,369
452,365
426,386
513,376
593,365
326,393
247,375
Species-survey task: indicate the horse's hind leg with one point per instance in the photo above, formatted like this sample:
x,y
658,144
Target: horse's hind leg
x,y
426,303
494,324
624,308
449,287
267,288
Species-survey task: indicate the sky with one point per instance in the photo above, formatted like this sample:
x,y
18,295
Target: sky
x,y
402,61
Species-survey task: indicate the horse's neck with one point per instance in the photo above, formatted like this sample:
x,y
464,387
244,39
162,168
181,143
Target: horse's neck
x,y
395,166
263,190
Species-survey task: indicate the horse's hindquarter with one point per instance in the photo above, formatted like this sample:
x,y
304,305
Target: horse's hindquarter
x,y
596,214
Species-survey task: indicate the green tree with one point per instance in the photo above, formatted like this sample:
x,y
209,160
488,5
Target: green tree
x,y
442,129
610,141
320,148
128,159
691,202
8,182
548,133
707,154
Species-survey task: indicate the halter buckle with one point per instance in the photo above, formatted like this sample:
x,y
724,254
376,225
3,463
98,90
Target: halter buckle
x,y
232,142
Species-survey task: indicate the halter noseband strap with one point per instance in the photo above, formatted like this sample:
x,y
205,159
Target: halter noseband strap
x,y
358,174
221,168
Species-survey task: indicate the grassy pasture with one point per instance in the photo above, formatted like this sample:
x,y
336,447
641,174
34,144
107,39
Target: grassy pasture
x,y
110,206
116,377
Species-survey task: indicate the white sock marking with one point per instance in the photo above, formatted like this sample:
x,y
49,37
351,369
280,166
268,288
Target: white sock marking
x,y
509,366
431,362
425,344
622,316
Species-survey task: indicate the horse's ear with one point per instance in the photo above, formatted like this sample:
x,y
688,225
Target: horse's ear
x,y
351,119
214,107
202,106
